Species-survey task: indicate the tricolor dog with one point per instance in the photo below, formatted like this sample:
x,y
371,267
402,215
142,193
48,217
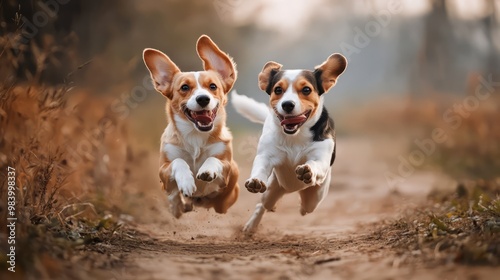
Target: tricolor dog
x,y
196,161
297,145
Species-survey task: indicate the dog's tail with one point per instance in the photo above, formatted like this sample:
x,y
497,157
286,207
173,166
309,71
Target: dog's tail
x,y
247,107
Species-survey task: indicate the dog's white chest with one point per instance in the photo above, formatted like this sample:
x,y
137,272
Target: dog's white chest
x,y
195,154
285,170
293,154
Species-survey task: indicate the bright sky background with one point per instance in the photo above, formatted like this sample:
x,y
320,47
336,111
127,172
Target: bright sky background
x,y
471,10
289,16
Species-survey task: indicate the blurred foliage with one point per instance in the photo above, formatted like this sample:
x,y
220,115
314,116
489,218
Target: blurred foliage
x,y
471,149
106,37
73,159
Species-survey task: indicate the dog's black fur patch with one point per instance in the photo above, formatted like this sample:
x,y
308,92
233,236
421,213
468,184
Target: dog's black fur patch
x,y
311,78
274,77
323,129
317,76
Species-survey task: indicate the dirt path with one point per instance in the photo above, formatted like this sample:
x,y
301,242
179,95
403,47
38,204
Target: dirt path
x,y
330,243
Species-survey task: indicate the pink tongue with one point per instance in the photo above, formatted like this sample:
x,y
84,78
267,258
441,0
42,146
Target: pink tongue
x,y
294,120
205,116
205,119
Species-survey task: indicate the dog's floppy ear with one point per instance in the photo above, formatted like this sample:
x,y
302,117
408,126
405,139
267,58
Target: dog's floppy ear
x,y
267,74
327,73
162,70
215,59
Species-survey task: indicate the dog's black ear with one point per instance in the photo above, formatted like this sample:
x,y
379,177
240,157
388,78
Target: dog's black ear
x,y
215,59
328,72
266,75
162,70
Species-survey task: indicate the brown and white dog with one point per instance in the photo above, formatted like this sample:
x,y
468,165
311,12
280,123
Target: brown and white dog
x,y
196,151
297,146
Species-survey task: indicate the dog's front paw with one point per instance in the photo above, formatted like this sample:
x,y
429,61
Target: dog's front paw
x,y
305,174
255,185
187,187
206,176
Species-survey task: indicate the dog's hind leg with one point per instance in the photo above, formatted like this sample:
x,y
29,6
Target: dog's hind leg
x,y
268,202
175,203
254,221
230,194
311,197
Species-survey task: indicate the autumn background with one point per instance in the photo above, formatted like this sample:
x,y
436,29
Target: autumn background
x,y
80,120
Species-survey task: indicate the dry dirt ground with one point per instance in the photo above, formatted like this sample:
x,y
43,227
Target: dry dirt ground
x,y
331,243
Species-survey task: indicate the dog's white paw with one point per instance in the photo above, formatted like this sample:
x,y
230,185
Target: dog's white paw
x,y
187,186
210,170
207,175
305,174
255,185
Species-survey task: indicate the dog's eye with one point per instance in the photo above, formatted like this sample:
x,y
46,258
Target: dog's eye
x,y
213,86
184,87
306,90
278,90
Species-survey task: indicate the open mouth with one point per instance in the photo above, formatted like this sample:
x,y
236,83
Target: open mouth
x,y
203,119
291,124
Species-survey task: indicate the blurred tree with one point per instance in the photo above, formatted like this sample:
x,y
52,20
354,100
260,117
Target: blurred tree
x,y
435,67
54,37
441,65
491,24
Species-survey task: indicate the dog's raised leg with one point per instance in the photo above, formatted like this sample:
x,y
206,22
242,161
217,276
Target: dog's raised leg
x,y
231,189
311,197
317,167
261,168
170,175
183,176
268,202
210,170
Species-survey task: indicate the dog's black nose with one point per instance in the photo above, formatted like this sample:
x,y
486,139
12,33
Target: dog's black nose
x,y
203,100
288,106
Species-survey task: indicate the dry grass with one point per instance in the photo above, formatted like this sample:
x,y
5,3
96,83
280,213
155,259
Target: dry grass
x,y
460,227
73,166
452,227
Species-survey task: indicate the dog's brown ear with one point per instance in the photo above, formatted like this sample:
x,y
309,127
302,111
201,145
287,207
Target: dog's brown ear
x,y
328,72
162,70
267,74
215,59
